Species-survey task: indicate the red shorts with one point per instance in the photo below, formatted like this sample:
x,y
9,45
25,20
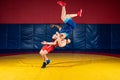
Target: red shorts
x,y
48,48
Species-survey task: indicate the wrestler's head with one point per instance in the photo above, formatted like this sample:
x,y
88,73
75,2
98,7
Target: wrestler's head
x,y
54,37
62,36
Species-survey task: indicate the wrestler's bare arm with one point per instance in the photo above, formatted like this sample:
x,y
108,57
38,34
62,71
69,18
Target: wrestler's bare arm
x,y
48,43
62,43
57,41
57,26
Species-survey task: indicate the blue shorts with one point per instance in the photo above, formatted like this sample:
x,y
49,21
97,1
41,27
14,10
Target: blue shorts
x,y
70,25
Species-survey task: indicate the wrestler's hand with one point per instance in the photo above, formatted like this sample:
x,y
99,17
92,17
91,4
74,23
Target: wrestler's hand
x,y
58,35
43,42
52,26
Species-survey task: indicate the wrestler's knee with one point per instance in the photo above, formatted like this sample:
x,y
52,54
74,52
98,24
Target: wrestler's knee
x,y
63,18
41,53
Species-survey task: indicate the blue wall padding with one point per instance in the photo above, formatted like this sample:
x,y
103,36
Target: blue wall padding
x,y
115,36
13,37
79,35
26,37
104,40
3,36
85,37
91,37
39,34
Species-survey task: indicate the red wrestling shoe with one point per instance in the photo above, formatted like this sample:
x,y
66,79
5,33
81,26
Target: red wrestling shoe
x,y
61,3
79,13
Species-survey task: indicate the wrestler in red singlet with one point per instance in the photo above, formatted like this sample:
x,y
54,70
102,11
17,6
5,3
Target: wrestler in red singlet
x,y
49,48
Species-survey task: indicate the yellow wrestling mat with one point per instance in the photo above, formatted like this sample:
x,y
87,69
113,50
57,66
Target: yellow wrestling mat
x,y
65,66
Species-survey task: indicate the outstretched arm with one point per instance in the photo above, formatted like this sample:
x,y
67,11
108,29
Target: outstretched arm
x,y
57,26
49,43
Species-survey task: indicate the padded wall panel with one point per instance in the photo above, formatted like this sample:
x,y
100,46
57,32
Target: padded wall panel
x,y
115,36
40,29
3,36
26,36
39,35
84,37
104,33
79,38
91,36
13,37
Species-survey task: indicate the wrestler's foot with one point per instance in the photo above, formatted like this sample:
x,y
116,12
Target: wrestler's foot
x,y
44,65
79,13
61,3
48,61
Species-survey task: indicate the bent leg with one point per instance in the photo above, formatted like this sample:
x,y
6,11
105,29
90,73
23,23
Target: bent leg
x,y
63,13
43,53
71,15
64,16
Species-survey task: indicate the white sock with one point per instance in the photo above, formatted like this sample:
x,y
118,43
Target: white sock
x,y
47,59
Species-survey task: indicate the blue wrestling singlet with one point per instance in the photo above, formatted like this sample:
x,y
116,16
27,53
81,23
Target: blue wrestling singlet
x,y
70,25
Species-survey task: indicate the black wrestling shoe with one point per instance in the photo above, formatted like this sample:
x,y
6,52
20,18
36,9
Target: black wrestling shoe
x,y
44,65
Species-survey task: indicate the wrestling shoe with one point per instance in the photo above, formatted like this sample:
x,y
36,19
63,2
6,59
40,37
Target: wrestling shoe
x,y
44,65
79,13
61,3
48,61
